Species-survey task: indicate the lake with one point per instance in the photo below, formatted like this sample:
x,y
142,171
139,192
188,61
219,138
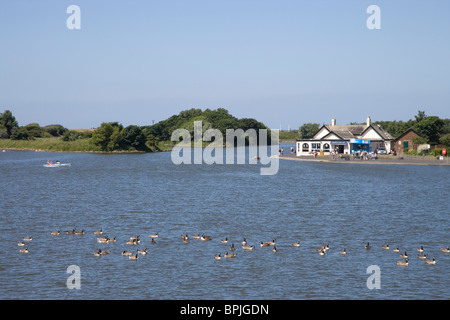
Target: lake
x,y
343,205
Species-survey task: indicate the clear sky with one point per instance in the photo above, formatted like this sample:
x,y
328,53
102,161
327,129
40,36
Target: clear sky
x,y
282,62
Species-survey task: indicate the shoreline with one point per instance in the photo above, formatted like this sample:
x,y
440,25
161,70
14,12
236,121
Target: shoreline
x,y
405,161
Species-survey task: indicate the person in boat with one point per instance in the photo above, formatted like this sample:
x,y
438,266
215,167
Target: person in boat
x,y
48,162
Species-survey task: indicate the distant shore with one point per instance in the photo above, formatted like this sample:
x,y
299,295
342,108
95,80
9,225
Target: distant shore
x,y
405,160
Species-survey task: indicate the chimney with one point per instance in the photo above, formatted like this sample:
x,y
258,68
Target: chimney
x,y
333,122
368,121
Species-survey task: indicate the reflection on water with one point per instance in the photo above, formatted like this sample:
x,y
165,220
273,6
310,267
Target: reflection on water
x,y
343,205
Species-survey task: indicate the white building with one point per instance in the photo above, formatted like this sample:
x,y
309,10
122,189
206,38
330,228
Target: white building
x,y
346,139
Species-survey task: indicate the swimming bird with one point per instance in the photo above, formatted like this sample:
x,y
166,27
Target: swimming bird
x,y
432,261
321,251
217,256
296,244
21,244
79,233
343,251
205,238
133,257
97,253
368,246
127,253
186,239
224,240
275,249
103,240
244,242
272,243
70,231
420,249
143,252
397,249
184,236
25,250
230,255
385,247
153,241
232,248
103,251
248,248
111,240
403,263
264,244
55,233
135,238
404,255
27,239
155,235
132,242
446,250
422,256
196,236
98,231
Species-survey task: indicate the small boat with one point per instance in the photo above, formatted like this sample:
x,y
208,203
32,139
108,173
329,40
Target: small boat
x,y
57,164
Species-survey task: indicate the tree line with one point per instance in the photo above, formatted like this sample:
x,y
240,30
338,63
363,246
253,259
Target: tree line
x,y
113,136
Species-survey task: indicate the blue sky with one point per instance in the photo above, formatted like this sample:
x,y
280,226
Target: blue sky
x,y
282,62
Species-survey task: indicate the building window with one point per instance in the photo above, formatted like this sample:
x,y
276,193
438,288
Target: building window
x,y
326,147
305,147
315,146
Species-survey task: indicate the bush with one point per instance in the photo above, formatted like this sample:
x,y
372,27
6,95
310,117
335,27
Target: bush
x,y
437,152
20,133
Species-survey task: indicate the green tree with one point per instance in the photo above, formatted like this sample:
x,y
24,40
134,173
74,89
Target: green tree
x,y
420,116
308,130
20,133
108,136
8,121
445,139
430,128
132,136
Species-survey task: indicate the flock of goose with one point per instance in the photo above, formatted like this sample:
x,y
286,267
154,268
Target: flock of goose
x,y
134,240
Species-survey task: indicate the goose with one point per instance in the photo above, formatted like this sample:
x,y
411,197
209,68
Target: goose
x,y
244,242
98,231
196,236
103,251
153,241
79,233
155,235
103,240
97,253
127,253
131,242
224,240
25,250
368,246
21,244
205,238
136,238
217,256
296,244
184,236
275,249
397,249
271,243
111,240
432,261
322,251
232,248
343,251
420,249
27,239
446,250
403,263
326,247
248,248
143,252
230,255
133,257
404,255
422,256
264,244
385,247
55,233
70,231
186,240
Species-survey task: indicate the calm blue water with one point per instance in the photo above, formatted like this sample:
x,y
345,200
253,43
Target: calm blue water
x,y
343,205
